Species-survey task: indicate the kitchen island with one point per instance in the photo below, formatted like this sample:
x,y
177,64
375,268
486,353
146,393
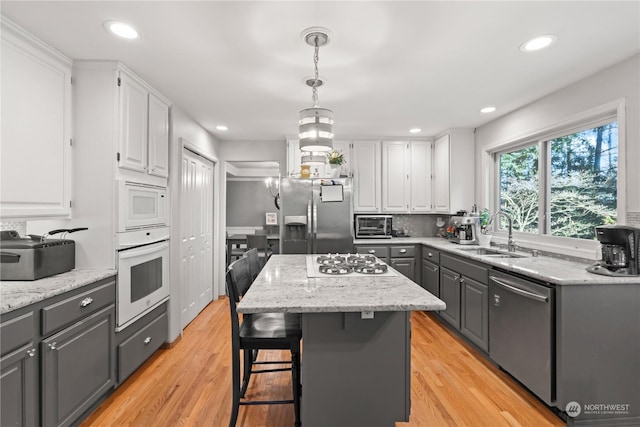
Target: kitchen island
x,y
356,361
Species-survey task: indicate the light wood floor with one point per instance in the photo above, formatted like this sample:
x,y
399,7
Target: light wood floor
x,y
189,385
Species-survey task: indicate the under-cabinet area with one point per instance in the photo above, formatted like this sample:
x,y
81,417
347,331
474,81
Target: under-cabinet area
x,y
60,354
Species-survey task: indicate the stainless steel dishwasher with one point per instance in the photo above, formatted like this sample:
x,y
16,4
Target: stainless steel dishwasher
x,y
521,331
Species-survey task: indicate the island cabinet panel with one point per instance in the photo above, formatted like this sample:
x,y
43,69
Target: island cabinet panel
x,y
18,377
77,368
344,355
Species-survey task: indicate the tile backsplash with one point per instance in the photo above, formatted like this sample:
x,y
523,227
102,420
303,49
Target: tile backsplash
x,y
633,218
418,225
19,226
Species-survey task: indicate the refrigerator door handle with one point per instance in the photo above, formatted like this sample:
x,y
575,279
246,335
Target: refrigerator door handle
x,y
310,225
315,228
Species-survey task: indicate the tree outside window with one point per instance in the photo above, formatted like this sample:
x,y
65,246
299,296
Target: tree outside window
x,y
582,183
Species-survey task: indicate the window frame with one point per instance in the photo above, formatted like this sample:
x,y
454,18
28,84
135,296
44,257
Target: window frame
x,y
607,113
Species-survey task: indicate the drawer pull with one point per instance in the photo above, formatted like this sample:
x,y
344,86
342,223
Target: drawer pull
x,y
147,340
31,352
52,346
403,251
85,302
429,254
372,251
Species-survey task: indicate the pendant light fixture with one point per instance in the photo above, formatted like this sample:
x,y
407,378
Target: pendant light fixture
x,y
313,159
316,124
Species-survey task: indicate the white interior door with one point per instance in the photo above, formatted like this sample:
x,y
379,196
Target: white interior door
x,y
196,225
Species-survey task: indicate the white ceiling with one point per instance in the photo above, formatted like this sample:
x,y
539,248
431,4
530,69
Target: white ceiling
x,y
390,65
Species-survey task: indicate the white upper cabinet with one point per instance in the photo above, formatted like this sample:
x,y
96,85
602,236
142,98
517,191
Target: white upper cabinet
x,y
158,155
406,176
453,164
124,119
294,156
35,165
441,174
345,148
420,186
133,124
144,131
396,166
366,176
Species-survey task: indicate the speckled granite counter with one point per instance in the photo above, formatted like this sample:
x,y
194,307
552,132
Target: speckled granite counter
x,y
553,270
16,294
283,286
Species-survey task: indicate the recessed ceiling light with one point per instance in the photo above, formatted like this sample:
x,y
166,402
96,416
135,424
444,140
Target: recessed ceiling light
x,y
415,130
488,109
538,43
222,127
121,29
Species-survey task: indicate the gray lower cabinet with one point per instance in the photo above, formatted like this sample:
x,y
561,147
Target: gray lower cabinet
x,y
464,287
450,294
380,251
58,357
18,377
77,368
430,279
402,258
136,343
474,311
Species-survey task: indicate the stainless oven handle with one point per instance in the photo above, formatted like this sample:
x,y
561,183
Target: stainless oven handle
x,y
511,287
143,250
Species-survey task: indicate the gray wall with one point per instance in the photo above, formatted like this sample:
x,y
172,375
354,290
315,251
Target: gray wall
x,y
616,82
247,203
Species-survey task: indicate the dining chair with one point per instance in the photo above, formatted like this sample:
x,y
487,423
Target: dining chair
x,y
254,262
269,331
234,252
260,242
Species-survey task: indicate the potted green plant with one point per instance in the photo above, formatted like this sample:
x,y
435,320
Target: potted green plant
x,y
336,159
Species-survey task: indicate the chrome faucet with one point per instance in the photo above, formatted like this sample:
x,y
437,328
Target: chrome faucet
x,y
511,244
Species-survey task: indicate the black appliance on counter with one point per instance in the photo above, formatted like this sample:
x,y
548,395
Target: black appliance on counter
x,y
35,257
620,245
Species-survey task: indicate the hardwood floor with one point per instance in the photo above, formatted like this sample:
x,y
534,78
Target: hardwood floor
x,y
189,385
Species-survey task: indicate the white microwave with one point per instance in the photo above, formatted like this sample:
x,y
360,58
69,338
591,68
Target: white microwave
x,y
141,206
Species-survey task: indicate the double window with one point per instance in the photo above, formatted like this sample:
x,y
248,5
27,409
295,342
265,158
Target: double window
x,y
562,184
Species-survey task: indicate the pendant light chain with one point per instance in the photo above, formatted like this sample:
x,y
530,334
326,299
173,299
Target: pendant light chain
x,y
314,87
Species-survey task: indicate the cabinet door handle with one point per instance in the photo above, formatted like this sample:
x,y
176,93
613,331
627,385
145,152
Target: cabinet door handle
x,y
461,280
52,346
147,340
31,352
85,302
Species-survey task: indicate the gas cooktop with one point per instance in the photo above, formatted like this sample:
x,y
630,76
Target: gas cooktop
x,y
346,265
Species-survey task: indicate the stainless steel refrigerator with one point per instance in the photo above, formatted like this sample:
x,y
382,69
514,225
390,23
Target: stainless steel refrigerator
x,y
317,216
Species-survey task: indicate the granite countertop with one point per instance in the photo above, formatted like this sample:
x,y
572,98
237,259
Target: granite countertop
x,y
545,268
283,286
17,294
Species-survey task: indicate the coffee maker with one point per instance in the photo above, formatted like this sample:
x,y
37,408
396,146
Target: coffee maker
x,y
464,229
619,246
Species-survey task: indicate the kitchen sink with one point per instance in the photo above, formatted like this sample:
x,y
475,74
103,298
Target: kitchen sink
x,y
492,253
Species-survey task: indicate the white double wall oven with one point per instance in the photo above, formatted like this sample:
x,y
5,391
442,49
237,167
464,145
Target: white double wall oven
x,y
142,250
